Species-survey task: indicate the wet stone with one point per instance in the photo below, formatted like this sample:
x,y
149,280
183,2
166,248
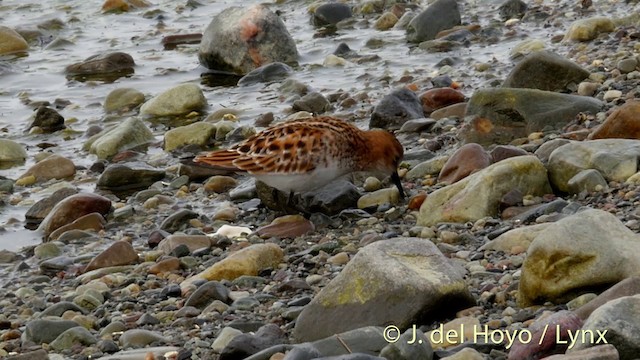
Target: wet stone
x,y
74,336
132,176
72,208
108,66
45,331
136,338
245,345
38,211
440,15
206,293
47,119
330,14
395,109
267,73
123,100
227,42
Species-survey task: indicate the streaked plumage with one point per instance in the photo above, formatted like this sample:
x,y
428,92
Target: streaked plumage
x,y
302,155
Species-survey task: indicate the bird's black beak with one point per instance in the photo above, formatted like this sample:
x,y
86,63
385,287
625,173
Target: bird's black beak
x,y
395,178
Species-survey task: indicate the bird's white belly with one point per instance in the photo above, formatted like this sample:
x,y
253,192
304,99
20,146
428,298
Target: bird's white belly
x,y
301,182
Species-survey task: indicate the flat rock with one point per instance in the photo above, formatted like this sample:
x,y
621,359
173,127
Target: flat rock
x,y
248,261
73,337
178,100
108,66
615,159
589,250
45,330
119,253
200,133
588,29
500,115
241,39
400,281
130,176
479,194
51,167
129,134
193,242
136,338
545,70
266,73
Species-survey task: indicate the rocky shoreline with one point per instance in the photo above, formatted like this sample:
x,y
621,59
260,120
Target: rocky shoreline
x,y
518,240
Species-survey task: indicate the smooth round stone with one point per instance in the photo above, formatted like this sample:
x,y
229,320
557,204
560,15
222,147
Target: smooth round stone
x,y
245,303
314,279
224,338
24,293
340,258
627,65
113,327
11,151
73,336
610,95
587,88
140,338
220,184
47,250
123,99
87,301
371,184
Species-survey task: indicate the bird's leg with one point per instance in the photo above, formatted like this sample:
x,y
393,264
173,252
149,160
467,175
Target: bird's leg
x,y
395,178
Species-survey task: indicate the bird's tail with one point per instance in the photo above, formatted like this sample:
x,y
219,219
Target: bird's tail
x,y
221,159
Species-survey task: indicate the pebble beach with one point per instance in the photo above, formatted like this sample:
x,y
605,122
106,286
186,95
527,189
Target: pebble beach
x,y
517,239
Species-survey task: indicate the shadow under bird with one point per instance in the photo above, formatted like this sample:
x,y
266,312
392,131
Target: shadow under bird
x,y
306,154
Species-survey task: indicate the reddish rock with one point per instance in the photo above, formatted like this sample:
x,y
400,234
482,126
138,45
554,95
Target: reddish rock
x,y
93,221
466,160
123,5
545,339
72,208
166,265
416,201
623,123
193,242
438,98
502,152
120,253
52,167
286,227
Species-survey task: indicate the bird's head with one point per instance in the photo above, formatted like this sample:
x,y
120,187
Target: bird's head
x,y
384,155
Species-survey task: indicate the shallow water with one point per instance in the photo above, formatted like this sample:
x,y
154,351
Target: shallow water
x,y
40,75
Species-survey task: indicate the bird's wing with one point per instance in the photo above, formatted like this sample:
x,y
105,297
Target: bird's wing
x,y
289,148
